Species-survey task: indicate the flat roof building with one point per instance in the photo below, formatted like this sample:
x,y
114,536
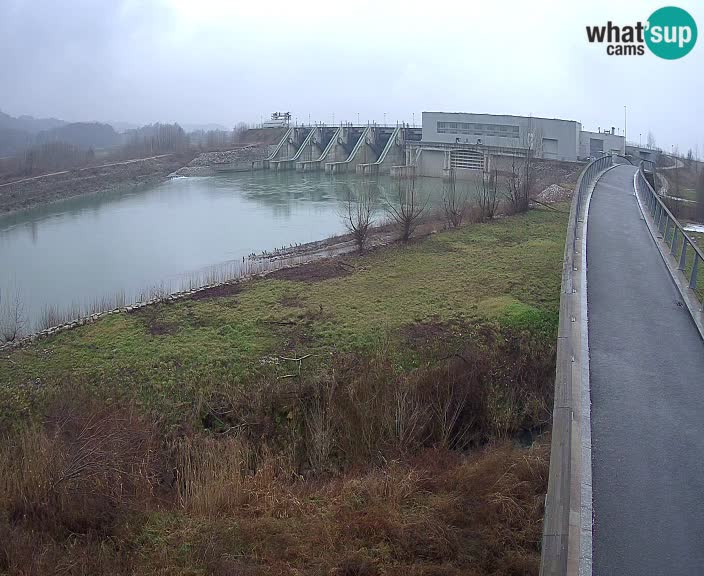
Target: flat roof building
x,y
594,144
549,137
466,141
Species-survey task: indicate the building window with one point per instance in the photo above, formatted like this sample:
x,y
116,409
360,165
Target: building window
x,y
476,129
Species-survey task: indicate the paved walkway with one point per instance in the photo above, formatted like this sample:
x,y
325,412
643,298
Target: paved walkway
x,y
647,385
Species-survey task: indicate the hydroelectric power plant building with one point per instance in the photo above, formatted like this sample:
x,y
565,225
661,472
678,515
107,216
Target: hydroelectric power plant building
x,y
463,142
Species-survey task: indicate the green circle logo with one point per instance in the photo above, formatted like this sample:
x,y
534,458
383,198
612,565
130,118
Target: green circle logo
x,y
670,33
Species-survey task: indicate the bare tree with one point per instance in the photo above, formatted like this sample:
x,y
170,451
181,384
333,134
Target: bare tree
x,y
357,214
651,140
487,195
522,179
700,197
406,208
238,131
454,202
676,179
12,319
515,188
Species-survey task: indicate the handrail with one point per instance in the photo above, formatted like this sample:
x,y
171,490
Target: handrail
x,y
318,161
357,146
279,145
562,525
305,142
360,142
389,144
585,181
671,231
625,158
330,144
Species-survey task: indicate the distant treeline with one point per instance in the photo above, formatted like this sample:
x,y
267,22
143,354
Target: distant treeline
x,y
15,141
69,146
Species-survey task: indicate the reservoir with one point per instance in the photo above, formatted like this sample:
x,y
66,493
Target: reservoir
x,y
113,247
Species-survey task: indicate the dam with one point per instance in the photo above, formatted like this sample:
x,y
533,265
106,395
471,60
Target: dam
x,y
447,142
345,149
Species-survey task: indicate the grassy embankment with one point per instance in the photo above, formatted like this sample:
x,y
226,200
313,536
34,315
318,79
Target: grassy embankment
x,y
186,439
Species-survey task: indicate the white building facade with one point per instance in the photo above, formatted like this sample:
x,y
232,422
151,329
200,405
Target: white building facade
x,y
467,142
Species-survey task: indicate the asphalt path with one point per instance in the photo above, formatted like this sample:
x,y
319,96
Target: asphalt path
x,y
647,388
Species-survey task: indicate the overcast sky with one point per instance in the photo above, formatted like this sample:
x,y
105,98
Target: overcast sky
x,y
198,61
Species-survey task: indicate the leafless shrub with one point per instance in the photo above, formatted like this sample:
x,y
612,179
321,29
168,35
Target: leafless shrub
x,y
357,213
75,473
454,202
521,180
53,316
405,207
320,428
211,474
238,131
516,192
487,195
12,318
410,419
700,196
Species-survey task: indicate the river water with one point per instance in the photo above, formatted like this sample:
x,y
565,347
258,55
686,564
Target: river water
x,y
76,253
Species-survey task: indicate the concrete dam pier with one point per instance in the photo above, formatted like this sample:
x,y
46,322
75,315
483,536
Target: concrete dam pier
x,y
365,150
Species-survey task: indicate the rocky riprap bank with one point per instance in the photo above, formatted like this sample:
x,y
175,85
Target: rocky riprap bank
x,y
237,160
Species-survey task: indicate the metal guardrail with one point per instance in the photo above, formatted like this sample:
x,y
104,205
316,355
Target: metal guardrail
x,y
562,525
685,252
586,179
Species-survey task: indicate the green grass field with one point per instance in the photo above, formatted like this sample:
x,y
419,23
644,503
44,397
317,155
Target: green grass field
x,y
170,354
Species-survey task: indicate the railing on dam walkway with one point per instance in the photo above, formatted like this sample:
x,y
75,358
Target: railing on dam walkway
x,y
564,547
688,257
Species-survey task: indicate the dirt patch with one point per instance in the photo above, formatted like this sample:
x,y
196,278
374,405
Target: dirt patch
x,y
161,328
218,291
315,271
154,324
298,339
434,334
423,334
291,301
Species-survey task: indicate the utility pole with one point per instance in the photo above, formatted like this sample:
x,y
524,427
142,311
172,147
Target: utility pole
x,y
624,127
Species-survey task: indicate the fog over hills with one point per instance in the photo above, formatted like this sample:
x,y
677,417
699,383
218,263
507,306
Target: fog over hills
x,y
28,123
23,132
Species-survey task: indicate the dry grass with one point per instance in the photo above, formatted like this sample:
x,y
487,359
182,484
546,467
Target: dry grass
x,y
362,468
439,512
